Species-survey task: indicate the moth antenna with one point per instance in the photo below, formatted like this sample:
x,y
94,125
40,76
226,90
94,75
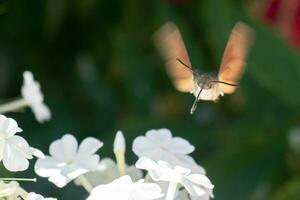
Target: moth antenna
x,y
189,67
194,106
226,83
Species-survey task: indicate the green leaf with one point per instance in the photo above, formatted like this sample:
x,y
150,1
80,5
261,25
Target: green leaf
x,y
289,190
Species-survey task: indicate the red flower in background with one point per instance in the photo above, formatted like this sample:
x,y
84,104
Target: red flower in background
x,y
296,27
284,16
271,11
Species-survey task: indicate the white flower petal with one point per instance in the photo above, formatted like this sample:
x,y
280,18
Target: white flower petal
x,y
21,144
188,162
193,189
163,135
146,191
59,180
64,149
37,153
145,163
47,167
50,168
141,146
72,171
15,153
116,190
41,112
89,162
89,146
31,90
14,159
200,180
181,146
124,189
158,171
28,77
123,180
8,127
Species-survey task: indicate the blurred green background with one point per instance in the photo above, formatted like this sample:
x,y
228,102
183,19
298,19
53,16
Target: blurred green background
x,y
100,73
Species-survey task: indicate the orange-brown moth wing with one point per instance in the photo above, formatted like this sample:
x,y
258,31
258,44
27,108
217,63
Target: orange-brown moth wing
x,y
170,44
234,57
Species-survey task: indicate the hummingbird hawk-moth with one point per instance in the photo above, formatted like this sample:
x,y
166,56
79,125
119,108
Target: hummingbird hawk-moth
x,y
204,86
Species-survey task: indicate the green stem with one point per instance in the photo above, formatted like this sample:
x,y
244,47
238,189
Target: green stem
x,y
13,106
120,157
85,183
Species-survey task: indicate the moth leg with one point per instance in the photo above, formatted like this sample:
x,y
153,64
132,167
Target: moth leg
x,y
194,106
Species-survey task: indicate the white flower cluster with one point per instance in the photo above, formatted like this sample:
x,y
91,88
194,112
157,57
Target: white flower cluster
x,y
170,173
164,157
159,153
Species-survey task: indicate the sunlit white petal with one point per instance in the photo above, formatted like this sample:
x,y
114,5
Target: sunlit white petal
x,y
89,146
197,185
67,161
161,145
124,189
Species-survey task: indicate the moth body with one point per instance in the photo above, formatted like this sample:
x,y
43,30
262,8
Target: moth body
x,y
210,89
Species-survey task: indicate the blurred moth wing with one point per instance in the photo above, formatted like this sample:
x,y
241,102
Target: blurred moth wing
x,y
171,46
234,58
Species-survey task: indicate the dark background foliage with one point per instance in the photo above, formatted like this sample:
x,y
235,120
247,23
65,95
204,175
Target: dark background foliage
x,y
100,73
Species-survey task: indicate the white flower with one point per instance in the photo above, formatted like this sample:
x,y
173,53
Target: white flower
x,y
160,145
119,142
31,92
14,150
67,161
107,171
124,189
197,185
34,196
9,190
